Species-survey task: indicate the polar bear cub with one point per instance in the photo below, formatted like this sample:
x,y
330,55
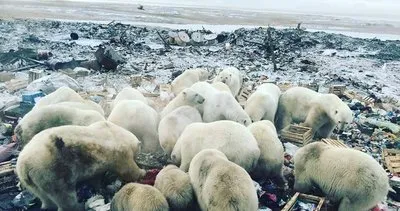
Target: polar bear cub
x,y
173,124
188,78
321,112
230,76
231,138
176,187
141,120
347,176
135,196
270,163
263,103
220,184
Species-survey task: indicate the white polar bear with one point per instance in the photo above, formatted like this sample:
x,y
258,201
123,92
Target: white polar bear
x,y
188,78
321,112
129,93
230,76
187,97
141,120
349,177
175,185
62,94
85,105
219,105
231,138
50,116
135,196
220,184
56,159
221,86
263,103
270,163
172,125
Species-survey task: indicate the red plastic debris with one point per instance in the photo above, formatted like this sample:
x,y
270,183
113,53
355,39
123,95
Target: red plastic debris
x,y
150,177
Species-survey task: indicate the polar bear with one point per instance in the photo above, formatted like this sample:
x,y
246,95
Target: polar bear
x,y
175,185
231,138
62,94
172,125
135,196
263,103
85,105
270,163
230,76
188,78
141,120
346,176
56,159
219,105
221,86
220,184
321,112
128,93
50,116
187,97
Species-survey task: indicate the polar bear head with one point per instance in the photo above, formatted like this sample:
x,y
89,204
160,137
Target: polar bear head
x,y
342,116
225,77
192,97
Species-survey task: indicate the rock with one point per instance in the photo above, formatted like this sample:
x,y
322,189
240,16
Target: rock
x,y
74,36
108,57
50,83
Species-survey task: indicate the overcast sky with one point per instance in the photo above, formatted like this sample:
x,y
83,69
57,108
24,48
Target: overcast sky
x,y
381,9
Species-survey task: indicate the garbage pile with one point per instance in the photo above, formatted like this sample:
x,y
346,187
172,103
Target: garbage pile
x,y
98,59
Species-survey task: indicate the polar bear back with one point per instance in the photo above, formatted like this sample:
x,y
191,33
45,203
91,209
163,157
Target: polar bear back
x,y
135,196
232,138
140,119
53,116
220,184
85,105
341,173
172,125
263,103
128,93
62,94
188,78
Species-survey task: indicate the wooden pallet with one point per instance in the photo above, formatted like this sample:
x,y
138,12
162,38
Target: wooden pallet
x,y
244,95
8,178
312,86
337,89
365,99
391,160
368,100
285,86
16,84
297,134
333,142
318,201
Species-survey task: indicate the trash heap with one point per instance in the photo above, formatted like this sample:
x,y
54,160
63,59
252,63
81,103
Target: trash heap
x,y
96,60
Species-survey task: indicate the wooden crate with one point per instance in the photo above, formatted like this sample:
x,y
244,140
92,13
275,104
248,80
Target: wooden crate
x,y
312,86
166,88
333,142
368,100
285,86
244,95
297,134
337,89
8,178
391,160
35,74
16,84
318,201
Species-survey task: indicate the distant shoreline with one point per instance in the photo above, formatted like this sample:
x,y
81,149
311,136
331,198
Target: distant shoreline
x,y
182,16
